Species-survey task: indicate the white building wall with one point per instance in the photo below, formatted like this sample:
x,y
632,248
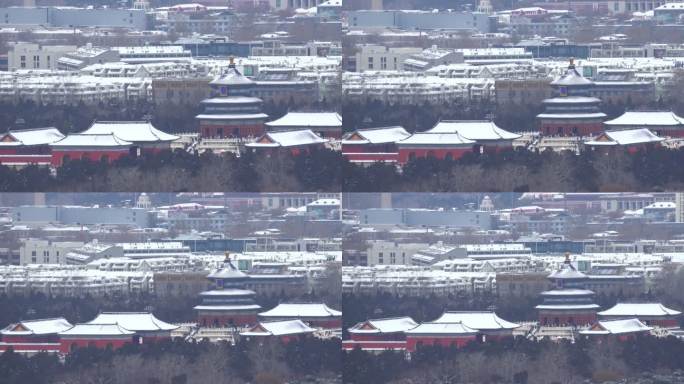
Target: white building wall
x,y
381,58
35,56
34,251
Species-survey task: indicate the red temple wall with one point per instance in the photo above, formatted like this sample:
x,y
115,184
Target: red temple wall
x,y
227,320
398,336
94,155
580,318
414,342
568,128
438,153
229,130
66,345
350,344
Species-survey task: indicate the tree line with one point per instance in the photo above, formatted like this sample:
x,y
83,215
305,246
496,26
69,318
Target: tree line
x,y
266,361
521,170
522,361
317,170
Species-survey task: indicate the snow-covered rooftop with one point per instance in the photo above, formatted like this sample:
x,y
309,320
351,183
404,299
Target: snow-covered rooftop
x,y
455,328
301,310
37,327
625,137
432,138
474,129
133,321
616,327
133,131
381,135
34,136
91,140
647,118
388,325
477,320
307,120
639,309
287,139
97,330
279,328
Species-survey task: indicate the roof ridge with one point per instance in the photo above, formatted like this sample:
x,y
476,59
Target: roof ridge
x,y
42,319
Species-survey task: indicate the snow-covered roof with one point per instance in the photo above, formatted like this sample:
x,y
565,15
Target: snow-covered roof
x,y
133,131
34,136
97,330
376,135
278,328
231,116
625,137
91,140
567,306
232,100
616,327
388,325
591,115
227,307
430,138
649,118
474,129
133,321
307,119
37,327
568,292
567,271
232,77
442,328
667,6
476,320
287,139
639,309
571,77
572,100
227,293
227,271
301,310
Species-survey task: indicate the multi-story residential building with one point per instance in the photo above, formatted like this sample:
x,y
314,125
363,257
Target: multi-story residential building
x,y
563,25
392,253
282,200
432,57
426,218
201,22
36,56
414,281
85,56
152,54
621,202
93,251
419,20
204,220
373,57
39,251
79,215
72,17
